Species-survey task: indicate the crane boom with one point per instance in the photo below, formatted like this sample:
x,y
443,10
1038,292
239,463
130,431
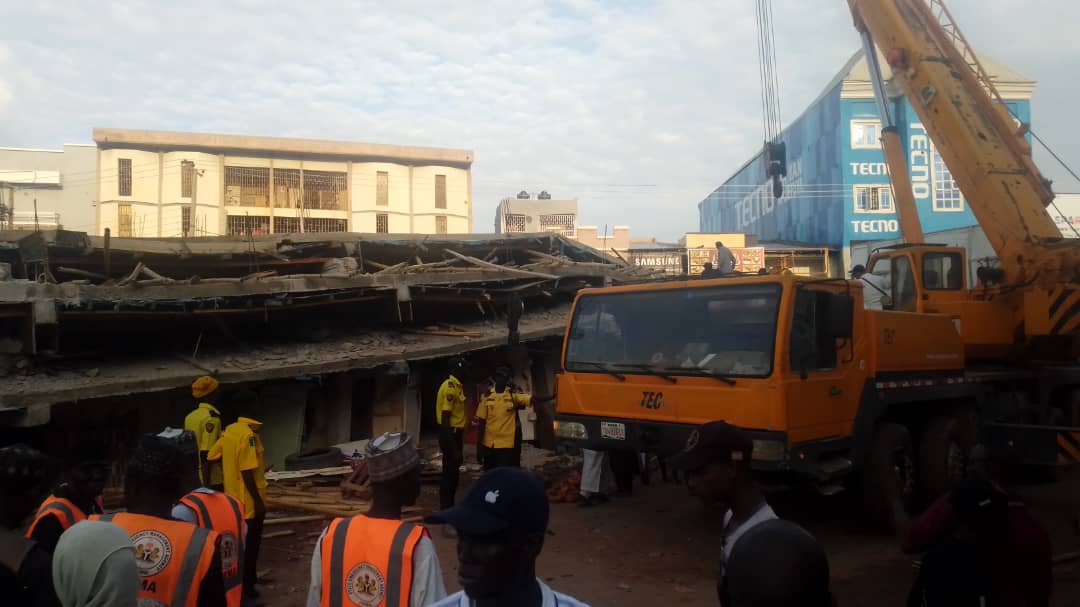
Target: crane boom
x,y
970,125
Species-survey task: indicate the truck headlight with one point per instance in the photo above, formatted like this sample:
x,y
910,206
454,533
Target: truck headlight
x,y
574,430
769,450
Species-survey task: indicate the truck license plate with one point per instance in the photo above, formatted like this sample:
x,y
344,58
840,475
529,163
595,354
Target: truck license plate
x,y
613,430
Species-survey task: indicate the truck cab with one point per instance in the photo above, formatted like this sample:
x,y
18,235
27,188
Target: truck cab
x,y
921,277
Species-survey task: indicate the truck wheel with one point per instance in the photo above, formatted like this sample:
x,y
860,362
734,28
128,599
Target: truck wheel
x,y
946,442
890,475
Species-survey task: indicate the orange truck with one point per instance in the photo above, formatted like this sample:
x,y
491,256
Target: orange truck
x,y
829,391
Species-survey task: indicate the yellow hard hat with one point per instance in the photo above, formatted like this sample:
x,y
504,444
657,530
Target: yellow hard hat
x,y
203,386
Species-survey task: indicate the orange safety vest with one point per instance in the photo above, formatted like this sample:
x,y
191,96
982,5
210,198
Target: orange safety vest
x,y
64,510
368,562
224,514
172,556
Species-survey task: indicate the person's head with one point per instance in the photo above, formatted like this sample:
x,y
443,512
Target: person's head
x,y
501,525
717,463
719,244
189,449
393,465
87,478
994,464
762,272
502,377
25,475
205,389
707,265
456,367
777,563
94,566
857,271
153,482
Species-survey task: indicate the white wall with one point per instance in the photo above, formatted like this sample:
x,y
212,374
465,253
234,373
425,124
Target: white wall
x,y
457,199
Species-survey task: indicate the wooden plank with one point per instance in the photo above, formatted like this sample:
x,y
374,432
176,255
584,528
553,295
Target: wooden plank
x,y
294,519
514,271
281,533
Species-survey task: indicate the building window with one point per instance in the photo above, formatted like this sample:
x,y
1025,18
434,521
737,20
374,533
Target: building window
x,y
287,191
185,220
873,199
286,225
323,225
123,170
382,189
324,190
440,191
513,223
247,187
947,196
440,224
382,223
243,225
187,178
123,212
865,134
562,223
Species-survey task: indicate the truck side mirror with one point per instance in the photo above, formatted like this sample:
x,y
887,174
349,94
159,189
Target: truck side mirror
x,y
839,315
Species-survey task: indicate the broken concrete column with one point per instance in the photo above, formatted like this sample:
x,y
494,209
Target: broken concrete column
x,y
391,400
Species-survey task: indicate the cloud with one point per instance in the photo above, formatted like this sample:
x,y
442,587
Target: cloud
x,y
636,108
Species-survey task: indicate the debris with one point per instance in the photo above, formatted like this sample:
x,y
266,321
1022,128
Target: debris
x,y
620,585
92,372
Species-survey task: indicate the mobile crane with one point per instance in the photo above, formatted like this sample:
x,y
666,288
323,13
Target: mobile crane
x,y
837,395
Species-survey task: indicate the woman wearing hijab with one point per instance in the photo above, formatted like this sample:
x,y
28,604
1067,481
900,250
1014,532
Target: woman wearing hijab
x,y
94,566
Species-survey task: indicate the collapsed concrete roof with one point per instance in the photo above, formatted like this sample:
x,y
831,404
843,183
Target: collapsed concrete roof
x,y
131,315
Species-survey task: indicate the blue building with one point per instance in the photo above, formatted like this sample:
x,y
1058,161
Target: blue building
x,y
837,191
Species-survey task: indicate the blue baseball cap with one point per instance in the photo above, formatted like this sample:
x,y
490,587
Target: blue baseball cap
x,y
504,498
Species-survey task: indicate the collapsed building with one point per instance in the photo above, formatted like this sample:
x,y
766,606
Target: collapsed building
x,y
326,338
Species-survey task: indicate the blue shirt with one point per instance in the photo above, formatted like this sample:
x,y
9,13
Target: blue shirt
x,y
551,599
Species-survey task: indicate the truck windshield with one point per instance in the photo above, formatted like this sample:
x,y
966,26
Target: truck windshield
x,y
723,330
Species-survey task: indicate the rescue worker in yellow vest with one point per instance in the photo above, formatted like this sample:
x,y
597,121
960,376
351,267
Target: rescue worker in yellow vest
x,y
205,423
243,466
76,496
179,563
376,560
450,411
218,511
497,415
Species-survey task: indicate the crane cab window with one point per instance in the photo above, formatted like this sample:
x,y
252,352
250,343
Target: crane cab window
x,y
942,271
903,284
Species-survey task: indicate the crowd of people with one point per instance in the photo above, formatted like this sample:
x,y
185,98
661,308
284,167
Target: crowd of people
x,y
196,500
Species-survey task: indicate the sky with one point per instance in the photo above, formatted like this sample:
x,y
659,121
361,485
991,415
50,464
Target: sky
x,y
637,109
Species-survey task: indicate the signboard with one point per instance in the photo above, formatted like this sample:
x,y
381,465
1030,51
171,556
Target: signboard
x,y
670,262
1066,215
747,259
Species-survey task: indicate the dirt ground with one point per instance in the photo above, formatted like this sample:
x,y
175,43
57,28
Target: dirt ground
x,y
659,544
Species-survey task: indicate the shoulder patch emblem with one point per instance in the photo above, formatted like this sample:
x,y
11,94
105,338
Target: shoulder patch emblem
x,y
365,585
153,551
210,426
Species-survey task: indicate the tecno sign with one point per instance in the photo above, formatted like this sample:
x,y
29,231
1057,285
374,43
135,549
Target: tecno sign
x,y
920,161
875,226
869,168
